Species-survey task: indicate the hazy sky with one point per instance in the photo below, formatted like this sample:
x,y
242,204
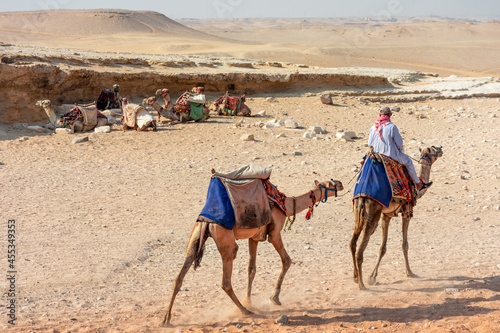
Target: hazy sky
x,y
277,8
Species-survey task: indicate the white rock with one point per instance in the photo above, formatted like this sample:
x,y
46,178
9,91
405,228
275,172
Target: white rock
x,y
303,163
261,113
317,129
281,135
247,137
309,135
80,139
38,129
102,129
291,124
342,136
63,131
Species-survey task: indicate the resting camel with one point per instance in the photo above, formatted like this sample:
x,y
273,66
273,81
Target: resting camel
x,y
77,125
153,102
367,213
46,105
225,239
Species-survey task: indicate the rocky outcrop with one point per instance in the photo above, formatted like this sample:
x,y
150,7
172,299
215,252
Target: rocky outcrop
x,y
66,77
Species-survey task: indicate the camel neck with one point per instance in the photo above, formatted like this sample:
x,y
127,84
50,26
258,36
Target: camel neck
x,y
303,201
425,172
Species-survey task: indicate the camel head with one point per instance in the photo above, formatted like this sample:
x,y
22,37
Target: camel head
x,y
163,93
430,155
329,187
124,101
43,103
149,101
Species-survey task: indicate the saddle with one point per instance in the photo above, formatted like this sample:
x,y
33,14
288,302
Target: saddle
x,y
238,199
386,181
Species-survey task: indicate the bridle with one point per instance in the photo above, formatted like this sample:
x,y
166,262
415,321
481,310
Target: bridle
x,y
429,158
289,222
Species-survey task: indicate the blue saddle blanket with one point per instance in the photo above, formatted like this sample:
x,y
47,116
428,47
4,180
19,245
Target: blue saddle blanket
x,y
218,205
373,182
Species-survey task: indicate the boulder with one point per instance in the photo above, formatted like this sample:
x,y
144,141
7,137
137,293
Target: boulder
x,y
317,129
309,135
102,129
326,99
63,131
291,124
80,139
247,137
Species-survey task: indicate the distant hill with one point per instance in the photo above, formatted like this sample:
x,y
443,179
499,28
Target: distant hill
x,y
93,22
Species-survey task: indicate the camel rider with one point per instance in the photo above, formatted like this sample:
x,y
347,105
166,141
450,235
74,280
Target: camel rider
x,y
386,140
118,98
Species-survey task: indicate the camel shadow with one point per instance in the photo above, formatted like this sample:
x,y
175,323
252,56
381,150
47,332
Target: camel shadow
x,y
452,306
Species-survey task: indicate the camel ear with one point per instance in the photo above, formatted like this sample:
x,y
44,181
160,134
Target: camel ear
x,y
316,183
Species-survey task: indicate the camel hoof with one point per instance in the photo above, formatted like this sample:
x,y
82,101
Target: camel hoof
x,y
166,324
411,275
372,280
275,300
247,312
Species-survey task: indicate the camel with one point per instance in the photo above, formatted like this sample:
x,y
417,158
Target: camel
x,y
153,102
136,117
165,93
92,117
225,239
46,105
367,213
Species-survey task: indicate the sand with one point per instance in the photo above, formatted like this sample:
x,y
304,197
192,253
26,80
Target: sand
x,y
101,226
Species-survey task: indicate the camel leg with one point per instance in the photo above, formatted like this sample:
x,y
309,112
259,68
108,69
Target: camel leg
x,y
286,263
383,249
406,222
252,269
191,251
358,227
371,215
226,244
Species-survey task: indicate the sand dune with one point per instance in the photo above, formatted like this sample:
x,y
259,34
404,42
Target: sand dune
x,y
442,46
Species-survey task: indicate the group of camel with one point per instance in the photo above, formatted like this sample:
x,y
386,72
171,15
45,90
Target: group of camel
x,y
135,116
367,214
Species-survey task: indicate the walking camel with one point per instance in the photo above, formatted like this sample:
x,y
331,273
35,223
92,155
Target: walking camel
x,y
225,239
367,213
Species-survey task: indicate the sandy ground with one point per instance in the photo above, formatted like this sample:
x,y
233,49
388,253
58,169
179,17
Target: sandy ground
x,y
102,226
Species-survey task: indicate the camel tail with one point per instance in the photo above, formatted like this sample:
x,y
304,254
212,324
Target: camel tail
x,y
201,244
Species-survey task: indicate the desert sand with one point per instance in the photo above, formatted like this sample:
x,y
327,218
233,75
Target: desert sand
x,y
102,226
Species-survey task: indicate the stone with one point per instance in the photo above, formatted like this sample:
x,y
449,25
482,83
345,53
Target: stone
x,y
317,129
63,131
102,129
326,99
297,153
309,135
395,109
283,319
342,136
38,129
269,99
350,134
261,113
291,124
80,139
247,137
281,135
